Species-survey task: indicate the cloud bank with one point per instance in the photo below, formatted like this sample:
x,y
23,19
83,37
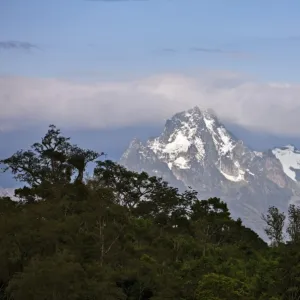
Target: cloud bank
x,y
269,107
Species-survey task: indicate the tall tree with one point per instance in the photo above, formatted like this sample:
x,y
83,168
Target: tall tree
x,y
53,160
293,229
274,225
145,195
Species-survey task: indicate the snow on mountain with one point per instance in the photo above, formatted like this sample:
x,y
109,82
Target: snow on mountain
x,y
289,158
140,158
180,134
196,150
222,139
8,192
192,137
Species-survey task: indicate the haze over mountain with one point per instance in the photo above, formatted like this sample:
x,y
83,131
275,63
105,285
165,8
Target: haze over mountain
x,y
196,150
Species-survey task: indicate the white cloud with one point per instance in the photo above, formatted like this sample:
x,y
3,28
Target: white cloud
x,y
271,107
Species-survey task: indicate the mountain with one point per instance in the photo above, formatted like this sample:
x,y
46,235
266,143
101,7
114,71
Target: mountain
x,y
289,157
7,192
196,150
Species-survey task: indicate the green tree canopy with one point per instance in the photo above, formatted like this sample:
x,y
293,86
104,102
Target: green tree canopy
x,y
123,235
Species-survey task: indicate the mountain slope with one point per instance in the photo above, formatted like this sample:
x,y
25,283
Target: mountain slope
x,y
7,192
289,157
196,150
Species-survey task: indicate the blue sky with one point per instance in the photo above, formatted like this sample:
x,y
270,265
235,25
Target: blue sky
x,y
127,38
109,71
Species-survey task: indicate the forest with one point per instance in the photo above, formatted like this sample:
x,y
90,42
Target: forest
x,y
117,234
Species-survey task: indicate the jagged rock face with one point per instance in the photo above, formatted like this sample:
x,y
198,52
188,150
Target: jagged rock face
x,y
140,158
196,150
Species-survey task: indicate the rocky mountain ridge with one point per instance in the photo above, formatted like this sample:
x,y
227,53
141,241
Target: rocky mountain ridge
x,y
196,150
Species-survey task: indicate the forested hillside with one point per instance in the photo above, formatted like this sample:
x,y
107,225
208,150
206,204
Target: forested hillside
x,y
123,235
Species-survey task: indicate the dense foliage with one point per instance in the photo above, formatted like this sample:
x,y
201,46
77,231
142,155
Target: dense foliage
x,y
124,235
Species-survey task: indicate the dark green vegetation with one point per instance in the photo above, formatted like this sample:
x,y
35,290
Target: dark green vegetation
x,y
124,235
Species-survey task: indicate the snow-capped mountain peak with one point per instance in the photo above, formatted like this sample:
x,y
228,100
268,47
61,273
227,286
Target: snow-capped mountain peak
x,y
289,158
196,150
180,134
189,135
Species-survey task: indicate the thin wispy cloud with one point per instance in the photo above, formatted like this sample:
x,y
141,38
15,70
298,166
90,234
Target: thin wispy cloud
x,y
169,50
117,0
17,45
207,50
166,51
199,49
204,50
217,51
